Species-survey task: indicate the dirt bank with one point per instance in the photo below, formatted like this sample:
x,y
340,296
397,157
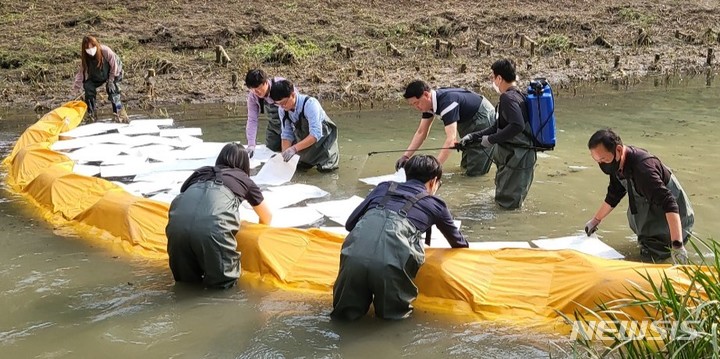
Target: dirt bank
x,y
352,52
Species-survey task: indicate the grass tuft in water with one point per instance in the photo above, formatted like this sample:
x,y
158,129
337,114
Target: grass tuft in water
x,y
680,323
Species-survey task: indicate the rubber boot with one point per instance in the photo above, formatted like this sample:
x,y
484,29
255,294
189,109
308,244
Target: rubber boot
x,y
120,113
90,115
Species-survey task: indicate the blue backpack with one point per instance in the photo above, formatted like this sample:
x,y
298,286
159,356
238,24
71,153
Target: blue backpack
x,y
541,112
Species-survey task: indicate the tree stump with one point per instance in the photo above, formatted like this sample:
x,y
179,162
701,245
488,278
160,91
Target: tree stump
x,y
234,80
600,41
643,38
483,45
221,57
392,49
524,39
150,85
709,58
346,50
448,47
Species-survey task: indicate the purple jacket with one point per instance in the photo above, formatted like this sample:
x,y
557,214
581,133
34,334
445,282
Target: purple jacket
x,y
253,106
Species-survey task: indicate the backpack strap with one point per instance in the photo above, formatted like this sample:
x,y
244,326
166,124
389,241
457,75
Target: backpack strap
x,y
628,176
218,175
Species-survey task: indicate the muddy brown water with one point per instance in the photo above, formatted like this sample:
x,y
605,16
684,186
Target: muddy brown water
x,y
67,297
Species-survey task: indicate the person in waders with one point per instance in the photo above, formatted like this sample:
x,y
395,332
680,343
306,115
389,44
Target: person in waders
x,y
659,213
100,65
461,111
259,101
509,139
306,129
384,249
203,220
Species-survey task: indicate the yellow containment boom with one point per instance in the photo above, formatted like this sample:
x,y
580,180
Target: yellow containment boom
x,y
521,286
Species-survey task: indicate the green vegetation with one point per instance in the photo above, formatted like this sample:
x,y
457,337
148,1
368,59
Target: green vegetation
x,y
554,43
632,15
279,49
683,322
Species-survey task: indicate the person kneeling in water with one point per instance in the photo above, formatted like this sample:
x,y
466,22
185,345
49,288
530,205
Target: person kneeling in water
x,y
384,250
203,220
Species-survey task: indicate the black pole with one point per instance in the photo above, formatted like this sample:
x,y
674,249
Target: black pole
x,y
417,149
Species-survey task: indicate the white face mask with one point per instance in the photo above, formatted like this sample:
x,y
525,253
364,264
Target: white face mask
x,y
91,50
495,87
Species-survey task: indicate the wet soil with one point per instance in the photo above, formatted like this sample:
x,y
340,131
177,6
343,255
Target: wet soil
x,y
351,53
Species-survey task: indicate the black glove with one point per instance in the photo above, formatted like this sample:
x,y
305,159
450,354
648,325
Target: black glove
x,y
401,162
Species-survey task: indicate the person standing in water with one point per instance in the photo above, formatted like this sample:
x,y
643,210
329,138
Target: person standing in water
x,y
509,136
659,213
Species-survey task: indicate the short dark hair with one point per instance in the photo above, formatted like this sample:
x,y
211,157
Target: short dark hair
x,y
281,89
255,78
423,168
606,137
233,155
505,68
416,89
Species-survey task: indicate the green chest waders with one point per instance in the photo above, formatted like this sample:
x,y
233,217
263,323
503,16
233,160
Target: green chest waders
x,y
324,153
202,224
378,262
648,221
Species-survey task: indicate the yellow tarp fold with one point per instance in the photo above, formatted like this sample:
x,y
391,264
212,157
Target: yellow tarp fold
x,y
524,286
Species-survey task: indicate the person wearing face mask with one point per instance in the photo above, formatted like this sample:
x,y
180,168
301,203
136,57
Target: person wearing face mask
x,y
461,111
384,250
306,130
659,211
259,101
100,65
510,135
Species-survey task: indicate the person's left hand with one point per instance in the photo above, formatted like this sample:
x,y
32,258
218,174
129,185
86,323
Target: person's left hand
x,y
111,88
486,142
288,153
250,150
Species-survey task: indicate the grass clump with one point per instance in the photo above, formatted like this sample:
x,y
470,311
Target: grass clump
x,y
632,15
554,43
681,316
283,50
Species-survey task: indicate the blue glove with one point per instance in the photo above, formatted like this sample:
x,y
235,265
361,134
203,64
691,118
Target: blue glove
x,y
289,153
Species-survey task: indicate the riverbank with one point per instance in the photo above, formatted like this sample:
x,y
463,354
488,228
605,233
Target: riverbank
x,y
382,46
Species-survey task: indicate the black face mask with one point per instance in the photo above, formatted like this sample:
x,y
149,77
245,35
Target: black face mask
x,y
610,168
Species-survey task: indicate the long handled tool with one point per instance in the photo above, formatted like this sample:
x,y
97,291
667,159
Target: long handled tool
x,y
417,149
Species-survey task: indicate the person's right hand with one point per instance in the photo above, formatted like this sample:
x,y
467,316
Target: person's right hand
x,y
679,254
400,163
466,140
458,146
250,150
591,226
